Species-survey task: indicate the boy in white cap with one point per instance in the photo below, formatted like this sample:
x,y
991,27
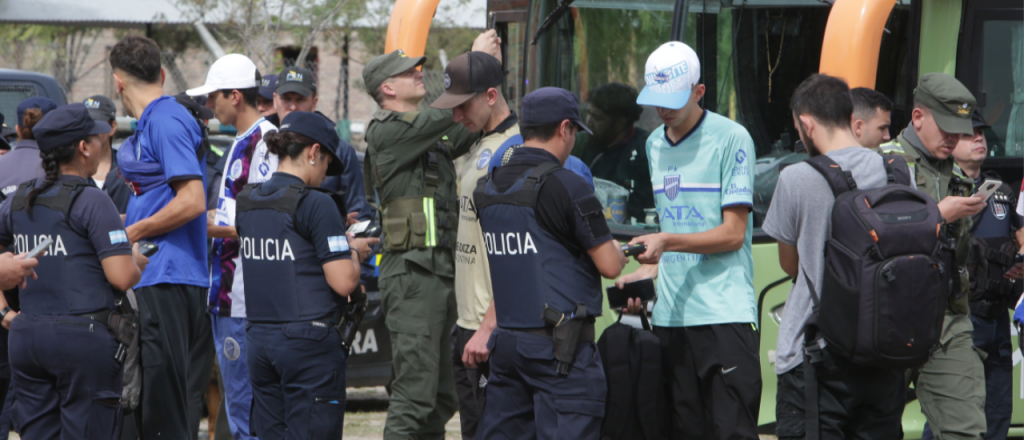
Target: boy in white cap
x,y
702,171
232,88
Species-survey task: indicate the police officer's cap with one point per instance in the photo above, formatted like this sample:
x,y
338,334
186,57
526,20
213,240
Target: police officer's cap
x,y
551,105
43,104
65,126
977,120
950,102
296,79
196,105
385,66
267,86
319,129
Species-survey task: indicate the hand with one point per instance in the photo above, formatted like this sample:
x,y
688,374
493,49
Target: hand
x,y
635,307
15,270
351,218
489,43
362,245
476,351
140,260
644,272
1015,273
655,246
8,318
956,208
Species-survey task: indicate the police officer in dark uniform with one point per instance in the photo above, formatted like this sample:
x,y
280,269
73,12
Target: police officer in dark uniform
x,y
299,270
548,246
67,379
992,272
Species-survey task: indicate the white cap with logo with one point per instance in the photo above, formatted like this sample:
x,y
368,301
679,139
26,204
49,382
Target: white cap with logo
x,y
231,71
672,71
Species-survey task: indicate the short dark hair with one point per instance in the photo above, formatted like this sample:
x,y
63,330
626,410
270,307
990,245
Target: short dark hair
x,y
539,132
248,95
617,100
866,101
137,56
825,98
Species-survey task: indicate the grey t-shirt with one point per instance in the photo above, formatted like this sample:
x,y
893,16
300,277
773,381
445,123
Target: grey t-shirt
x,y
800,215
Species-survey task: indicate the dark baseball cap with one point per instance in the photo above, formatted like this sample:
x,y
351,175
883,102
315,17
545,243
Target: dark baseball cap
x,y
44,104
196,105
467,75
551,105
296,79
320,129
977,120
267,86
66,125
385,66
950,102
101,108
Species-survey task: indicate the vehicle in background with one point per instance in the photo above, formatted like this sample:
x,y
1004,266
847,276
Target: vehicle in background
x,y
17,86
753,55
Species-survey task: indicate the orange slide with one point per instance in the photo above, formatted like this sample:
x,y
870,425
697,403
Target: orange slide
x,y
853,38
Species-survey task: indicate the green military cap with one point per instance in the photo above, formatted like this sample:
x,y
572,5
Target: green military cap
x,y
386,66
950,102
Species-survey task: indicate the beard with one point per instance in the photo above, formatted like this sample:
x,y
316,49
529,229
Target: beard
x,y
812,149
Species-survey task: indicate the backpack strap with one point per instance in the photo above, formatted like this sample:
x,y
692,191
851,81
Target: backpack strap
x,y
839,180
896,170
813,355
648,384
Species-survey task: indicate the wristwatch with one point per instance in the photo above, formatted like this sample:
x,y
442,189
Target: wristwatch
x,y
4,311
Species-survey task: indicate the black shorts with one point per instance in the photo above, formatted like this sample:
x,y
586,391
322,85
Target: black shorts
x,y
713,380
854,402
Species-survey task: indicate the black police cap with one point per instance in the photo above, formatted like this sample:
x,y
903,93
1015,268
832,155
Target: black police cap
x,y
66,125
319,129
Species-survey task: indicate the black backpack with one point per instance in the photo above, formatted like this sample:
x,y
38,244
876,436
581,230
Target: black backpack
x,y
887,266
632,366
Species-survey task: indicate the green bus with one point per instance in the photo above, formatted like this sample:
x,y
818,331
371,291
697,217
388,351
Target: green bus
x,y
753,55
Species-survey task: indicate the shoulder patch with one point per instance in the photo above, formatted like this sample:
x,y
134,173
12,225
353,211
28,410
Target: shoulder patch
x,y
409,117
382,114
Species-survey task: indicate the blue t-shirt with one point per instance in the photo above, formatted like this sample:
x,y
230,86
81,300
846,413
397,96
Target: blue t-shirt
x,y
506,149
167,134
710,169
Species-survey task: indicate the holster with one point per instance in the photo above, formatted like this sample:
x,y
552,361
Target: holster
x,y
123,327
348,325
566,334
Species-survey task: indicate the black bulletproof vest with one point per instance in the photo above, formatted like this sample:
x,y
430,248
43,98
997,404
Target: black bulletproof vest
x,y
71,279
529,266
284,280
992,249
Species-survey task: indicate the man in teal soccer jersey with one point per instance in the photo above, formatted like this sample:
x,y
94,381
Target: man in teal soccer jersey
x,y
702,170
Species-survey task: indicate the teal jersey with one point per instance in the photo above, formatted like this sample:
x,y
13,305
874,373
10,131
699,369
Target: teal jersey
x,y
710,169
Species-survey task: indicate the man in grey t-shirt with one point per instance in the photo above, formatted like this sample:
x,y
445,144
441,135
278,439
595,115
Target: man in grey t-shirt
x,y
854,401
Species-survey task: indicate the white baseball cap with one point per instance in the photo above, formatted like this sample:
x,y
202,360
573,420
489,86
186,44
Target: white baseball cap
x,y
231,71
672,71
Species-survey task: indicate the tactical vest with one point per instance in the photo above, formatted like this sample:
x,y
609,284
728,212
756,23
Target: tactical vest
x,y
71,278
428,218
284,280
529,266
991,257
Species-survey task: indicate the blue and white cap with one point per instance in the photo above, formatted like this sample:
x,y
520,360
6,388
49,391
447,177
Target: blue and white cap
x,y
672,71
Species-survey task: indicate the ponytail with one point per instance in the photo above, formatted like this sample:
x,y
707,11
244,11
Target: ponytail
x,y
52,161
32,116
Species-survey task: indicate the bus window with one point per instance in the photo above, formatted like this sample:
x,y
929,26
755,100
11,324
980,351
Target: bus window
x,y
1002,86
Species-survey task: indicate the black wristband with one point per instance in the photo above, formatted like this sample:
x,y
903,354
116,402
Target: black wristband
x,y
4,311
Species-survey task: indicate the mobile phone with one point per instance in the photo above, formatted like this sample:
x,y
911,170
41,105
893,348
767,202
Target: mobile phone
x,y
40,247
357,228
643,289
632,251
988,188
147,249
371,231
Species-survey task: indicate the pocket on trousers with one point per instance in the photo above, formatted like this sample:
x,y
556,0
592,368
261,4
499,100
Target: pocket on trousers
x,y
104,415
327,416
578,417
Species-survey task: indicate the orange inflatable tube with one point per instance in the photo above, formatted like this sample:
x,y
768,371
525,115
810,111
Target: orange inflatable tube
x,y
409,26
852,40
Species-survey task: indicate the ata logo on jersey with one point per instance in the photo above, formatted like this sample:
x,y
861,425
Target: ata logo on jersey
x,y
672,186
999,210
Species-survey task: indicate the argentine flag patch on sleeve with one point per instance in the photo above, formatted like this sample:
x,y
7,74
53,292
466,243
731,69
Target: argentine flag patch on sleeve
x,y
337,243
118,236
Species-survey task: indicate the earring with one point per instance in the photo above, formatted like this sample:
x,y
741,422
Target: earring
x,y
312,162
86,154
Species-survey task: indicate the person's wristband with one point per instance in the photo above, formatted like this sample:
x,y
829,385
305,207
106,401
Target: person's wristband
x,y
4,311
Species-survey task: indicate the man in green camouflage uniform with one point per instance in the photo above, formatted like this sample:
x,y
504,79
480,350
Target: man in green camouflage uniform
x,y
409,166
951,386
